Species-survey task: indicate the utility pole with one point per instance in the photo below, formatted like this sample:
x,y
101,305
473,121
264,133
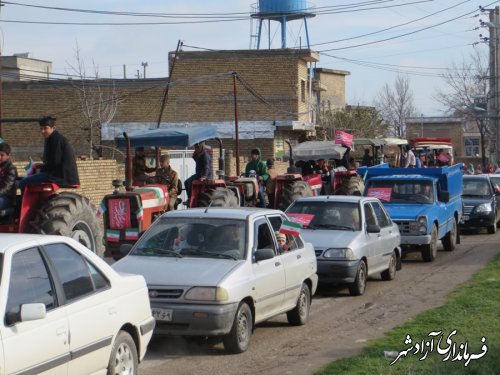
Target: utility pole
x,y
144,65
494,97
1,73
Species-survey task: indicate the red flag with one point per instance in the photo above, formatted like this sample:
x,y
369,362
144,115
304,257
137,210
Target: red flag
x,y
343,138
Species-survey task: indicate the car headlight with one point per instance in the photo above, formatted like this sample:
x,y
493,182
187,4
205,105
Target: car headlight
x,y
342,253
483,208
422,225
201,293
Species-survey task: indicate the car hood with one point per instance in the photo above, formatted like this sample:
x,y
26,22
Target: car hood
x,y
177,271
475,201
328,238
407,211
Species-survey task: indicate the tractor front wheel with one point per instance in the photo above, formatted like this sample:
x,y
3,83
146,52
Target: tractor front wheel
x,y
71,215
219,197
293,191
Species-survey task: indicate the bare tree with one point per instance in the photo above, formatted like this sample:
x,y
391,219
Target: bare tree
x,y
467,93
395,105
361,121
98,101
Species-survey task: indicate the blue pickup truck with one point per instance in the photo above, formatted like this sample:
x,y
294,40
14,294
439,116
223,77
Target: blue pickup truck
x,y
426,203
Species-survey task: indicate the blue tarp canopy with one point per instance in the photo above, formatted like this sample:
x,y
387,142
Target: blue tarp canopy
x,y
168,137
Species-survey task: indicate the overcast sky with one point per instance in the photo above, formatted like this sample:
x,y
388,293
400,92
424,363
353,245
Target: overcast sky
x,y
419,39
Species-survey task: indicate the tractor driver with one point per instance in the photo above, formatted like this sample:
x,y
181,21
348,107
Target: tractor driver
x,y
165,175
139,166
256,164
203,169
59,162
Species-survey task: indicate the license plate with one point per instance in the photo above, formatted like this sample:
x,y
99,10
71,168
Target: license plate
x,y
465,217
164,315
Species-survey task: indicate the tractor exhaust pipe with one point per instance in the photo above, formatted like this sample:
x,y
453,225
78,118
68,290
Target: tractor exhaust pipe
x,y
128,169
221,172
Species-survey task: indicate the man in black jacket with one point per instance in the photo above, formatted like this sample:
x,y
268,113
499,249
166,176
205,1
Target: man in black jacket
x,y
8,175
203,170
59,163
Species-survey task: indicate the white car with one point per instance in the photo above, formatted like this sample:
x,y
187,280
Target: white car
x,y
65,311
353,236
219,271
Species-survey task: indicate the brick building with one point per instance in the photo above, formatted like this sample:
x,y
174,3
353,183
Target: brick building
x,y
277,99
464,134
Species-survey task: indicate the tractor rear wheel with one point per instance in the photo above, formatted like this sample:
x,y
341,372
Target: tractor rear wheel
x,y
219,197
293,191
71,215
353,186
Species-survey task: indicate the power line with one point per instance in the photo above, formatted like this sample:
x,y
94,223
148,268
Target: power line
x,y
392,27
404,34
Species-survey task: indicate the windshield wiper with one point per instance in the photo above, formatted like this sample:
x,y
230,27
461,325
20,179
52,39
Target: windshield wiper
x,y
210,254
331,226
161,251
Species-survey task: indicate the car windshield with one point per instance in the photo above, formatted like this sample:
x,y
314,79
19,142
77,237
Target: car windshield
x,y
476,187
193,237
326,215
495,181
401,191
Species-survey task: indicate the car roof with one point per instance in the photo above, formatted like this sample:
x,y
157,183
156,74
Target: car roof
x,y
221,212
336,198
9,240
404,177
476,177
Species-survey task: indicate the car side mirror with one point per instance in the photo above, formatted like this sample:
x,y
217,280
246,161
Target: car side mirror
x,y
29,311
373,228
263,254
125,248
444,196
33,311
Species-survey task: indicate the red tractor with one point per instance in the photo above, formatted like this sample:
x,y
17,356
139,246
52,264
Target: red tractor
x,y
43,210
127,214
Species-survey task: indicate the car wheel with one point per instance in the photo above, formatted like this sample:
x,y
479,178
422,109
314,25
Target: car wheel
x,y
450,240
238,339
429,252
358,287
123,359
390,273
492,229
300,313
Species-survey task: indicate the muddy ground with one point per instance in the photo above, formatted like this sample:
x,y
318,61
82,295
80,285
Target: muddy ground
x,y
339,325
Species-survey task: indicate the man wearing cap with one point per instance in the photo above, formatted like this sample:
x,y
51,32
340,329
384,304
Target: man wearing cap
x,y
59,162
139,168
8,175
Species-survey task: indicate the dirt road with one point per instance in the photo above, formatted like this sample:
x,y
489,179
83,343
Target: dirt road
x,y
339,325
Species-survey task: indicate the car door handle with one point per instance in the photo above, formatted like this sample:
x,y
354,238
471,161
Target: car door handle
x,y
61,331
299,256
277,264
112,311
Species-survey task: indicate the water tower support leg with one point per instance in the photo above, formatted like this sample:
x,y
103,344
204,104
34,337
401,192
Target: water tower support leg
x,y
283,32
307,33
259,33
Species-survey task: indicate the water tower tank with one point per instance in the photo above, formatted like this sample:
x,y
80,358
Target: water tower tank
x,y
282,11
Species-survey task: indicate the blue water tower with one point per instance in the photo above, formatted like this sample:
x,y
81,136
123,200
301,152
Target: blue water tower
x,y
282,11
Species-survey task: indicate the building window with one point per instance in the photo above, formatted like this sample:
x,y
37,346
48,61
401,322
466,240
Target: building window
x,y
471,146
303,90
